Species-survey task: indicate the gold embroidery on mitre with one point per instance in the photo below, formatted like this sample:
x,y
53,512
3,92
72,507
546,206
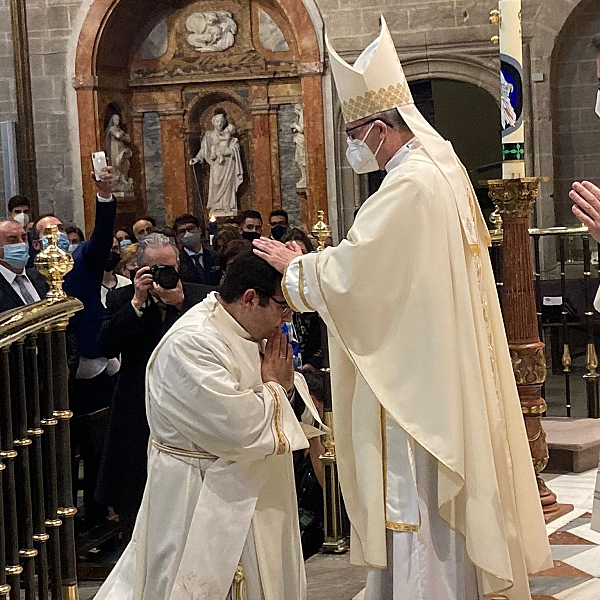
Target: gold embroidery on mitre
x,y
374,101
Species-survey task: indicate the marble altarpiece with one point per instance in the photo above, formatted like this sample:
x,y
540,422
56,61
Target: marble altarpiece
x,y
169,72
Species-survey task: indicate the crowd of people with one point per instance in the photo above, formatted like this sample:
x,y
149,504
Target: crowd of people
x,y
134,283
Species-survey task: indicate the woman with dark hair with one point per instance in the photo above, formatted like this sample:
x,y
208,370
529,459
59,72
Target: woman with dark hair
x,y
226,234
298,236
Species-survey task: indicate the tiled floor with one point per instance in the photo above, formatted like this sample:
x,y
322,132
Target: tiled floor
x,y
575,549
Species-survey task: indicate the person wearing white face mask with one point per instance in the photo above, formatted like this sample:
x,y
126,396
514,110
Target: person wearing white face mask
x,y
19,209
18,286
431,446
197,263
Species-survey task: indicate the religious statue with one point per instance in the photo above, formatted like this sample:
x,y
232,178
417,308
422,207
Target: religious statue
x,y
298,137
220,148
119,154
211,31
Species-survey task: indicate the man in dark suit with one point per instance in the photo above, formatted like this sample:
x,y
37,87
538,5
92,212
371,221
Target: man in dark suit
x,y
138,317
18,286
197,264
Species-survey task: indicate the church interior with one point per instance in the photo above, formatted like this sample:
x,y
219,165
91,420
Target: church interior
x,y
221,109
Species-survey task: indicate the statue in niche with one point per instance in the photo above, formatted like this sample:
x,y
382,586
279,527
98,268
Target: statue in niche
x,y
220,148
211,31
298,138
119,154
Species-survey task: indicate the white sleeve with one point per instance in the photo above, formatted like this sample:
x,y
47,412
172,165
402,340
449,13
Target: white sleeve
x,y
296,284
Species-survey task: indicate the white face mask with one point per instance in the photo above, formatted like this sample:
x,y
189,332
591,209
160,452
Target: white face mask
x,y
22,219
361,157
598,103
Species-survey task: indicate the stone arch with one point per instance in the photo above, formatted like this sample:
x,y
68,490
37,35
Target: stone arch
x,y
107,31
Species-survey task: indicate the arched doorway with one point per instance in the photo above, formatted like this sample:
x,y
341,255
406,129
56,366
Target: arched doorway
x,y
575,126
166,71
463,113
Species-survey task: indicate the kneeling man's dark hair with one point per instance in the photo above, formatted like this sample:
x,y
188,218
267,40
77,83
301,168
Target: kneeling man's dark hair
x,y
250,272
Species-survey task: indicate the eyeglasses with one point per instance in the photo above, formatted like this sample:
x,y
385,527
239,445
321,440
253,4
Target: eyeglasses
x,y
183,230
283,304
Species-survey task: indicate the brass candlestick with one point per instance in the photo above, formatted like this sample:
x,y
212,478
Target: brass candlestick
x,y
53,263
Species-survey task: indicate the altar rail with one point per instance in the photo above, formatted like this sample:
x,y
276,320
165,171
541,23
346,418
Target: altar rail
x,y
37,541
572,332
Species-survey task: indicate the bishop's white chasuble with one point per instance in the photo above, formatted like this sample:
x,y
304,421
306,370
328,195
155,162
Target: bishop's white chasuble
x,y
220,498
418,351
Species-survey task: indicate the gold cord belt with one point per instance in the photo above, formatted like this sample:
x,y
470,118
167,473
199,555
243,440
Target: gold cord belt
x,y
181,452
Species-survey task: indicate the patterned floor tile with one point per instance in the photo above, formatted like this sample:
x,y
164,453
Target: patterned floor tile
x,y
588,561
590,590
565,551
554,585
566,537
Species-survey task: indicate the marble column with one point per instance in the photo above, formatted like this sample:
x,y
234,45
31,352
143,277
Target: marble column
x,y
174,164
261,150
314,135
138,164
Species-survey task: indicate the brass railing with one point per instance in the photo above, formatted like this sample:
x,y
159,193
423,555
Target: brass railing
x,y
561,333
37,541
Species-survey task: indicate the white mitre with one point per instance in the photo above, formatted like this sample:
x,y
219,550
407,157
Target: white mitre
x,y
376,83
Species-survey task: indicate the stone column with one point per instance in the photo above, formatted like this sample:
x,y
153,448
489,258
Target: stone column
x,y
515,199
174,164
138,162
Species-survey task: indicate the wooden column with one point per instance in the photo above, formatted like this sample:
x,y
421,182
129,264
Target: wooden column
x,y
515,199
314,136
174,164
261,151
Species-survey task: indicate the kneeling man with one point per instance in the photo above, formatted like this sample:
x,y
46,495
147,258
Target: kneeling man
x,y
219,517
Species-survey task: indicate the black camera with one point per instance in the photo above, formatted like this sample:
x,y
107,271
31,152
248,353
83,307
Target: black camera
x,y
165,275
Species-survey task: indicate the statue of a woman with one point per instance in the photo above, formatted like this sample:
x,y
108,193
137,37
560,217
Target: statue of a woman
x,y
221,150
298,137
119,154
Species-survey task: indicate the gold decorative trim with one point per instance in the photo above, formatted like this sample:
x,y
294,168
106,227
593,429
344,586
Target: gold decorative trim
x,y
53,523
69,592
8,454
239,588
4,589
2,466
281,439
374,101
62,414
70,511
40,537
35,432
285,292
28,553
48,422
402,527
181,452
23,442
14,570
301,287
534,411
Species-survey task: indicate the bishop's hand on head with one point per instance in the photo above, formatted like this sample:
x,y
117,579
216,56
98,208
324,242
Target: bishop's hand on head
x,y
278,255
586,207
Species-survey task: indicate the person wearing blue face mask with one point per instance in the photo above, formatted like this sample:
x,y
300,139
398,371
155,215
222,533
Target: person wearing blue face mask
x,y
18,286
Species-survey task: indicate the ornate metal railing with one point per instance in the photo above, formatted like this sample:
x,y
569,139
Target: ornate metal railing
x,y
37,541
571,286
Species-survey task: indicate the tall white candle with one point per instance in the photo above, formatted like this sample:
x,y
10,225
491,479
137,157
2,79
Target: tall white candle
x,y
511,88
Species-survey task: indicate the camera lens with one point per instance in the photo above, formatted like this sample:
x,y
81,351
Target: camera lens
x,y
166,276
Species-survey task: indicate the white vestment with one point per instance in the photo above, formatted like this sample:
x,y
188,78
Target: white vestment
x,y
418,353
201,517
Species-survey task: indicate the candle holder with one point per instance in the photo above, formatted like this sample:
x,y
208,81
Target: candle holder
x,y
321,231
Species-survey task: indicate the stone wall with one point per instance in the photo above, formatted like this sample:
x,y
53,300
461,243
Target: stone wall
x,y
436,38
50,24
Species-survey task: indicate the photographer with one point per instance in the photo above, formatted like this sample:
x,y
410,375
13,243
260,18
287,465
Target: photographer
x,y
138,317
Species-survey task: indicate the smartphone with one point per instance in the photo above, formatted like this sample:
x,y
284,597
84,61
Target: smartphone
x,y
99,162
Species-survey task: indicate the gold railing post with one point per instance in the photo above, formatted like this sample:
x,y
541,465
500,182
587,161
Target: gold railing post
x,y
332,499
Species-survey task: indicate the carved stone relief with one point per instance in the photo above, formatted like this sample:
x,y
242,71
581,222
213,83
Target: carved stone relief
x,y
212,31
